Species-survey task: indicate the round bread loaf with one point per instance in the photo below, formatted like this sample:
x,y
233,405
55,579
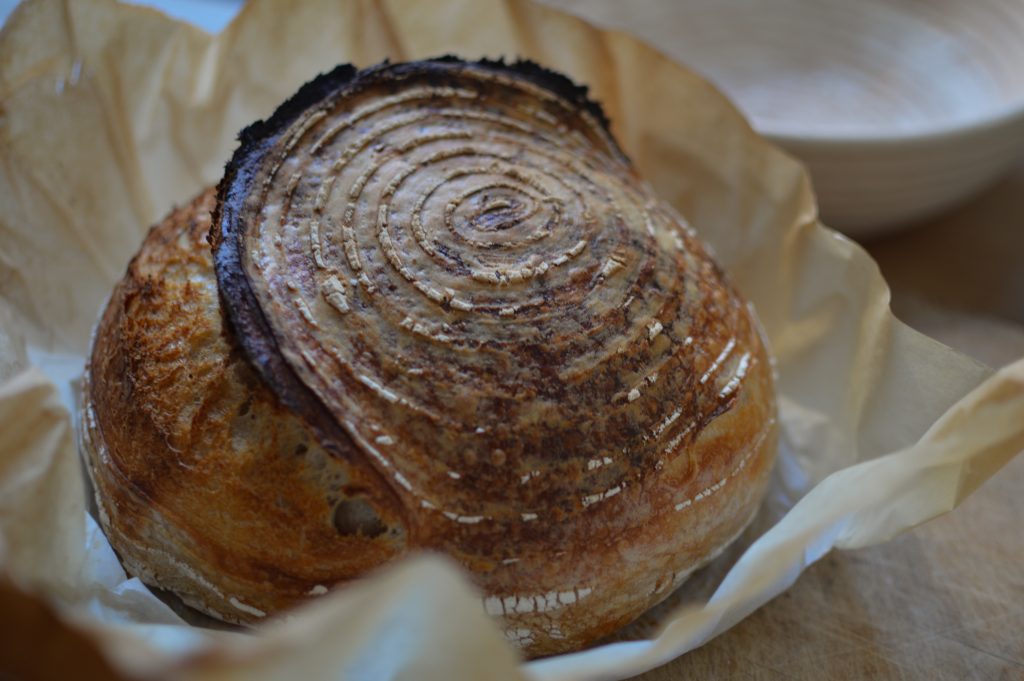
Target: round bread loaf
x,y
442,312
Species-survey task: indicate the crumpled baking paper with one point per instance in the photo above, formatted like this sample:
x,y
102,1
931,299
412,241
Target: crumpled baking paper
x,y
111,114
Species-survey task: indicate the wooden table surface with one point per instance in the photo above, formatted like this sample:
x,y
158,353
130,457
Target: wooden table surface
x,y
944,602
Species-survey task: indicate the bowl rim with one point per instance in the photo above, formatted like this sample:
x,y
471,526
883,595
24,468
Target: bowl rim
x,y
996,118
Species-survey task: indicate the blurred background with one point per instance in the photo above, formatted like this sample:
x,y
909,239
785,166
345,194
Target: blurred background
x,y
210,15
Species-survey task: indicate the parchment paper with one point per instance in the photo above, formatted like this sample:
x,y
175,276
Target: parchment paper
x,y
111,114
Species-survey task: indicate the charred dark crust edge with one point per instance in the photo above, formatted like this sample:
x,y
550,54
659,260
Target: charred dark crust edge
x,y
243,313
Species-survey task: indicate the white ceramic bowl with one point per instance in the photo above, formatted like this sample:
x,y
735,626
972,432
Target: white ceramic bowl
x,y
900,108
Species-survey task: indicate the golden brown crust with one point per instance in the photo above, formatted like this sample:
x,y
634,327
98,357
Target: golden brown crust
x,y
457,292
205,484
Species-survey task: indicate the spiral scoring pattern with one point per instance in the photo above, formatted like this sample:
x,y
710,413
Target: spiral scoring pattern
x,y
451,257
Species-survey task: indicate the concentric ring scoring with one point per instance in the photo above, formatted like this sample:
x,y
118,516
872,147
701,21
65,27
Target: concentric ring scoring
x,y
462,268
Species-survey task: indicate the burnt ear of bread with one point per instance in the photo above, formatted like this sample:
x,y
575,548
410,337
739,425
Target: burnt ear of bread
x,y
442,312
